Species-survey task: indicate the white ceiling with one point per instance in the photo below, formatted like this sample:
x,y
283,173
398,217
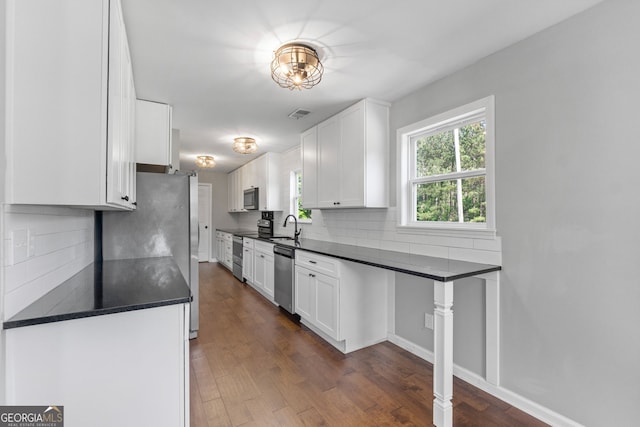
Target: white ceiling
x,y
210,58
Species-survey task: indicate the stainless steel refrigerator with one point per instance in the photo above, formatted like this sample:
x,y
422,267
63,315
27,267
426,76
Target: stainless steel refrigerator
x,y
165,223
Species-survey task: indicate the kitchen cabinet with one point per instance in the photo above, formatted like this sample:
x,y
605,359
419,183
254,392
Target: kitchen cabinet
x,y
70,96
235,192
309,148
247,259
344,302
267,169
153,133
224,248
264,268
137,363
262,173
351,158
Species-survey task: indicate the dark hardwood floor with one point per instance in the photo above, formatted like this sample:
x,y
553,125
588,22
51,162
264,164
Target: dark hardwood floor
x,y
253,366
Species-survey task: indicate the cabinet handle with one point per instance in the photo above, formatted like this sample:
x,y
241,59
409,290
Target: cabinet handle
x,y
261,256
336,203
312,261
312,275
125,198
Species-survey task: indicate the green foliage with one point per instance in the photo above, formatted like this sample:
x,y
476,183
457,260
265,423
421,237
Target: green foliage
x,y
302,213
435,155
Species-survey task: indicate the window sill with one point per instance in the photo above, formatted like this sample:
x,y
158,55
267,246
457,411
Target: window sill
x,y
448,231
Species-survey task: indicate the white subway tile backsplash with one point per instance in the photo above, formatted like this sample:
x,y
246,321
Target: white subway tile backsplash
x,y
429,250
61,244
474,255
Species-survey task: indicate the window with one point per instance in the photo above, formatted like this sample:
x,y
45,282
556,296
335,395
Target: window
x,y
446,170
296,209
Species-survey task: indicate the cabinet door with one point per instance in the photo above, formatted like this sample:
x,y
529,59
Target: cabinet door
x,y
260,271
247,264
228,253
328,163
120,124
115,143
309,147
269,275
250,178
305,293
153,133
352,150
326,304
235,196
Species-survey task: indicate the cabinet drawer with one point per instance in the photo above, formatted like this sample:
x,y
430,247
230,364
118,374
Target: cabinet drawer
x,y
247,242
264,247
318,263
227,237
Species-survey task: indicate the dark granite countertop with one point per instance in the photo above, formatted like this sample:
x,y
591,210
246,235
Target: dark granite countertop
x,y
240,232
109,287
440,269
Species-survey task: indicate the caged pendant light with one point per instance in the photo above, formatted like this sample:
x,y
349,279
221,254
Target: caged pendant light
x,y
296,66
205,161
244,145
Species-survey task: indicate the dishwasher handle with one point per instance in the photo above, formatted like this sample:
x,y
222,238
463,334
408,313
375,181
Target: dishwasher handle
x,y
285,251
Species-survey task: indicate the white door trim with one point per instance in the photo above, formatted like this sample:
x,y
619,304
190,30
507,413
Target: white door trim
x,y
208,189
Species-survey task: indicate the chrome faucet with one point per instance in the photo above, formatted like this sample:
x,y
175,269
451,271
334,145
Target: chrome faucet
x,y
296,232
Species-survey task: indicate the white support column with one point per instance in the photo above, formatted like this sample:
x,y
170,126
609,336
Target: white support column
x,y
492,324
443,354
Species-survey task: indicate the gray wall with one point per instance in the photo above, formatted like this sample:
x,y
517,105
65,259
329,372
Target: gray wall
x,y
220,217
567,180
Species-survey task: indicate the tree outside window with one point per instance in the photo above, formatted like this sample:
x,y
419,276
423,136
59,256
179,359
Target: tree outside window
x,y
296,202
446,166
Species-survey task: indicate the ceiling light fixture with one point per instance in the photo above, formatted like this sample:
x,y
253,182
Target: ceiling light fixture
x,y
205,161
244,145
296,66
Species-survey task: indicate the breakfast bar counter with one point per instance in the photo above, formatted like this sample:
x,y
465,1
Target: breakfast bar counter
x,y
443,272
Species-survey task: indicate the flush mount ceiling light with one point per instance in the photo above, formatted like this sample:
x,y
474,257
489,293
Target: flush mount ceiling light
x,y
296,66
205,161
244,145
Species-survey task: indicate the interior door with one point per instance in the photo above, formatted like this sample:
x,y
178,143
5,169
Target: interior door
x,y
204,224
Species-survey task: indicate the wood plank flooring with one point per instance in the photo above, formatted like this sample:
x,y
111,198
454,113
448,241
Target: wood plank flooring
x,y
252,366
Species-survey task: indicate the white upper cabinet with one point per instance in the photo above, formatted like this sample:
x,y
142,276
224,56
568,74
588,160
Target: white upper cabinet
x,y
267,168
153,133
309,148
235,194
261,173
70,105
351,158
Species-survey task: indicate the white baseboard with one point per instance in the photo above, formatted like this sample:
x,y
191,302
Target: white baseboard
x,y
530,407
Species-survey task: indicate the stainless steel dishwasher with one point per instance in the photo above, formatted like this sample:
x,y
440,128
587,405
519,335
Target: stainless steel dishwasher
x,y
284,260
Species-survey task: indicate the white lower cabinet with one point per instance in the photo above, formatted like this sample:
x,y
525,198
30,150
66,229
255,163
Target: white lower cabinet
x,y
263,268
136,364
344,302
224,248
247,259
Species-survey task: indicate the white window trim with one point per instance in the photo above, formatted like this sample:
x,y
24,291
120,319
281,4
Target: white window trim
x,y
293,197
405,191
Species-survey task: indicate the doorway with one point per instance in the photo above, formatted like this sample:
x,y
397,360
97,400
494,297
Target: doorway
x,y
204,222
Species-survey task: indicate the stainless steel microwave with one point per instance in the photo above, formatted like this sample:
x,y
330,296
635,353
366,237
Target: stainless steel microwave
x,y
251,199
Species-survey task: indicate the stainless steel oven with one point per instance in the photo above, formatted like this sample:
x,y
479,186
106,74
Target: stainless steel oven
x,y
237,257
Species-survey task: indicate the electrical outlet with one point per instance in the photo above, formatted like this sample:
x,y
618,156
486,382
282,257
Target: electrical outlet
x,y
428,321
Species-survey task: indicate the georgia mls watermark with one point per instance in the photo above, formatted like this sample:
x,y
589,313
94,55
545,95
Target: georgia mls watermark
x,y
31,416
